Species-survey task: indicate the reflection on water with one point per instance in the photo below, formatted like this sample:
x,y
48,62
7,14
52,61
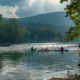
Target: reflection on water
x,y
17,62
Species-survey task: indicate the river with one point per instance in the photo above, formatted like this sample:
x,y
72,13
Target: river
x,y
17,62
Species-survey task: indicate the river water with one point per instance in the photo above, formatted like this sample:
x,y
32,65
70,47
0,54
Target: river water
x,y
17,62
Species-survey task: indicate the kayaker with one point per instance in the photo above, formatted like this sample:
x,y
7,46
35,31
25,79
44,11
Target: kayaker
x,y
32,48
46,49
79,46
62,48
42,49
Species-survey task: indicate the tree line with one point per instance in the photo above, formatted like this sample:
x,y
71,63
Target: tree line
x,y
14,32
56,27
73,11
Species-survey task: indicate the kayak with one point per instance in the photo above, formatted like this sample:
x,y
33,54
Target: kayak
x,y
45,50
75,50
32,49
61,50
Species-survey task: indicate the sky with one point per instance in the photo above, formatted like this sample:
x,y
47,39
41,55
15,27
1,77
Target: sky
x,y
27,8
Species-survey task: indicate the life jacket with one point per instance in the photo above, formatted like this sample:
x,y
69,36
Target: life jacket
x,y
62,48
79,45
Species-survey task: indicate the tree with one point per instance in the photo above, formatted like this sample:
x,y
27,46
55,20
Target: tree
x,y
61,35
73,11
19,30
1,18
27,35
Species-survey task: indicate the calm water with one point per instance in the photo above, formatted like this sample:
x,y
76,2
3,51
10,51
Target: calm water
x,y
17,62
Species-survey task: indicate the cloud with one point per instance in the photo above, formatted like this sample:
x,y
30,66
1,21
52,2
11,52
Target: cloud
x,y
40,7
55,1
13,9
24,2
31,2
26,12
9,12
25,8
10,2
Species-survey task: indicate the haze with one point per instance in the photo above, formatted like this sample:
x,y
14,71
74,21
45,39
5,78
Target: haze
x,y
27,8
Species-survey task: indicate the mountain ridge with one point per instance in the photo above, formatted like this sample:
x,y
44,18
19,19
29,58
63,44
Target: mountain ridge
x,y
49,18
53,20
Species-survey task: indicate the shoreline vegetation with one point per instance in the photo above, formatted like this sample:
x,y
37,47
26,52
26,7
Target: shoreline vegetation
x,y
71,78
14,32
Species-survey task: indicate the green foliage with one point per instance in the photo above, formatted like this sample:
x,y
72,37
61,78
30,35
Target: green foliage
x,y
27,35
63,1
13,31
1,18
53,20
73,11
44,35
49,26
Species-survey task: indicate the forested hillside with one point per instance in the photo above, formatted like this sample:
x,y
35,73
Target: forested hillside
x,y
14,32
40,25
56,21
56,18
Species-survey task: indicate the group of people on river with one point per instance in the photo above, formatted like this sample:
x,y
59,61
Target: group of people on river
x,y
79,46
41,49
62,48
47,48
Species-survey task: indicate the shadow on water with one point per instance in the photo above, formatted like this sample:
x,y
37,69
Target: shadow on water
x,y
62,53
79,61
9,58
79,58
36,65
79,53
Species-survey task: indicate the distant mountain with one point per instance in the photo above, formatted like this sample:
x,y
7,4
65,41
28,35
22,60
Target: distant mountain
x,y
56,21
56,18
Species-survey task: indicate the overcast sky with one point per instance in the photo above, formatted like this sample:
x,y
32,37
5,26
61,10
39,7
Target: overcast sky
x,y
26,8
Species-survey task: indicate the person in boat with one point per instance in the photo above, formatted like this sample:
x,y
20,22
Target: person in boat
x,y
62,48
46,49
79,46
42,49
32,48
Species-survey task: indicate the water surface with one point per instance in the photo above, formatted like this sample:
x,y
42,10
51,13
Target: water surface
x,y
17,62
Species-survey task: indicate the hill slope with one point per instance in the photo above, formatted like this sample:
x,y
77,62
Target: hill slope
x,y
56,21
56,18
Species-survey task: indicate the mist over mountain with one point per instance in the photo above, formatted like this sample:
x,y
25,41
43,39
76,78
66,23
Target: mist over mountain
x,y
54,20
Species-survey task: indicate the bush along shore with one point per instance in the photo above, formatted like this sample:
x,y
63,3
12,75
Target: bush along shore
x,y
70,76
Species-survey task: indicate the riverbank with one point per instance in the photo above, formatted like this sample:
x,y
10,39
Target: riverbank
x,y
69,77
64,78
